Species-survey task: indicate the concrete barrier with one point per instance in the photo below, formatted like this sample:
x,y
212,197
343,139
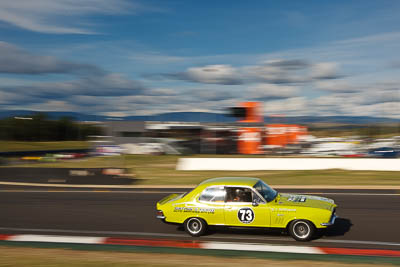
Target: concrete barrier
x,y
256,164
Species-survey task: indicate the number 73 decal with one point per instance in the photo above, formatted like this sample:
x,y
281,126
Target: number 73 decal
x,y
245,215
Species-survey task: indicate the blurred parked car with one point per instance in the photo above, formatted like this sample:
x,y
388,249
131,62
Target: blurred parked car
x,y
384,152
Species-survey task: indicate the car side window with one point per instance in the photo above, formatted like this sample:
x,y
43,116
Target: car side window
x,y
239,194
213,194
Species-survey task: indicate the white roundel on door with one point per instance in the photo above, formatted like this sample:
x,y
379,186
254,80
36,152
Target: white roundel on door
x,y
246,215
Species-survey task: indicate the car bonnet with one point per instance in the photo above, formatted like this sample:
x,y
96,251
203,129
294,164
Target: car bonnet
x,y
306,201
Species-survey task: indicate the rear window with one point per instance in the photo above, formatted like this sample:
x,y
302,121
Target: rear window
x,y
213,194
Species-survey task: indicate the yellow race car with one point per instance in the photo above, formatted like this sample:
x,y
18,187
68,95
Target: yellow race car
x,y
246,202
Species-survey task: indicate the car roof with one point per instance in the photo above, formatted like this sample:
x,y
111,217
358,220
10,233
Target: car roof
x,y
238,181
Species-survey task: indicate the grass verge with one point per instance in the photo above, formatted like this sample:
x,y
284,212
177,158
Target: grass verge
x,y
9,146
40,254
160,170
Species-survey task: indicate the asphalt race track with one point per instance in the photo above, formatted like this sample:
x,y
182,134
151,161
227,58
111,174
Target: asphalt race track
x,y
368,218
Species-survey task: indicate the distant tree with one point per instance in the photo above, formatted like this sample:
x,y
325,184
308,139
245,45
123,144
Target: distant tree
x,y
41,128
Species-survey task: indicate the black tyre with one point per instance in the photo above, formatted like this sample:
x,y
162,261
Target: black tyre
x,y
301,230
195,226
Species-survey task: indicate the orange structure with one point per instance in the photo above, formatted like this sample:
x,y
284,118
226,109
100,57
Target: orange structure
x,y
251,119
249,140
253,112
252,136
283,134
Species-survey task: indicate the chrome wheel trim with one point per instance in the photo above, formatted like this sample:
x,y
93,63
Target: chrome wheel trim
x,y
194,225
301,229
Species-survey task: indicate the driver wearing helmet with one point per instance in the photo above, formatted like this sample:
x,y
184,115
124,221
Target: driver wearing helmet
x,y
240,195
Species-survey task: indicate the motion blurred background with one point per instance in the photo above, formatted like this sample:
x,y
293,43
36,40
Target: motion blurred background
x,y
95,78
105,105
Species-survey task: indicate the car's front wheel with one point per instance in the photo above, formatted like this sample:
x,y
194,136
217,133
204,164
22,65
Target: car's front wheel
x,y
195,226
301,230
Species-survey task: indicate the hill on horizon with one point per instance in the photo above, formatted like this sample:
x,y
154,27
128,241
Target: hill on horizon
x,y
203,117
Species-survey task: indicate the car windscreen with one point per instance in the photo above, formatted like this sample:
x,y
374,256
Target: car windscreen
x,y
265,191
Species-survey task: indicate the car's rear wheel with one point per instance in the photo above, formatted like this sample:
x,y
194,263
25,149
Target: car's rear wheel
x,y
301,230
195,226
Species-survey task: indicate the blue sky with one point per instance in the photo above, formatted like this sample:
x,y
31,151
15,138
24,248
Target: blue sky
x,y
136,57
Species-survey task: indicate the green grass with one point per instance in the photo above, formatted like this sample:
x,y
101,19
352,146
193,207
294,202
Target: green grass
x,y
160,170
8,146
130,256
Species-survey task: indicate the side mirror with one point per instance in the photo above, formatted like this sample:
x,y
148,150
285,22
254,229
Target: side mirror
x,y
255,203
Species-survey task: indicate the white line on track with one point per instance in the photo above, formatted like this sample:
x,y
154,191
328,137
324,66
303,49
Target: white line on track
x,y
130,233
263,238
89,232
262,247
57,239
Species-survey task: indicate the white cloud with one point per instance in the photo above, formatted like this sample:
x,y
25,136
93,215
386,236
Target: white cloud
x,y
161,92
292,106
273,74
374,38
215,74
324,70
13,82
338,86
14,60
378,103
366,55
155,58
277,71
387,109
204,94
53,105
6,97
331,101
271,91
277,82
292,71
115,114
107,85
381,95
59,16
